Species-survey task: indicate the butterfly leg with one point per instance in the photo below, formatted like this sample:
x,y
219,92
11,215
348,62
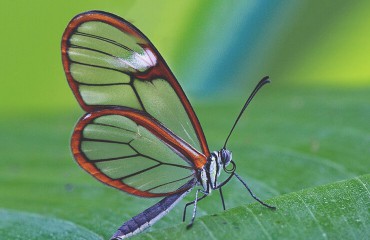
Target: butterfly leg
x,y
195,206
205,194
252,194
222,199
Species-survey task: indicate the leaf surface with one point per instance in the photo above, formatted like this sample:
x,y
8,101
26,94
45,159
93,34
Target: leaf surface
x,y
339,210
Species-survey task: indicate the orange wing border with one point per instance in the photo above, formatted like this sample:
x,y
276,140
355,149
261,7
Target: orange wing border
x,y
198,159
160,70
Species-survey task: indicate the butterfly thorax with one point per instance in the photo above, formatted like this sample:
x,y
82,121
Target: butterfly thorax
x,y
210,172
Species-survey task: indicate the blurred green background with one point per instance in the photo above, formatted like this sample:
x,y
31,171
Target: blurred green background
x,y
309,127
208,44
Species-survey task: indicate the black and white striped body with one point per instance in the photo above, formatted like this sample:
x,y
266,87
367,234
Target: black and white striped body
x,y
212,170
206,178
148,217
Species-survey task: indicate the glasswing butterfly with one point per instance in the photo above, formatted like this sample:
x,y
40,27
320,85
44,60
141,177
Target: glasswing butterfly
x,y
139,134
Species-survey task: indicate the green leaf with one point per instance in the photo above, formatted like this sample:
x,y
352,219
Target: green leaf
x,y
291,138
20,225
334,211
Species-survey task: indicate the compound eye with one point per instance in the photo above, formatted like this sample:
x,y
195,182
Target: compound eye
x,y
225,156
227,160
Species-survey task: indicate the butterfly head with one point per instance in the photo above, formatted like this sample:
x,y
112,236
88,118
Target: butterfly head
x,y
226,156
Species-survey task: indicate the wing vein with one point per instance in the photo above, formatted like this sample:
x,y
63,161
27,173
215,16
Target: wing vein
x,y
111,42
102,140
108,125
169,164
161,185
139,172
137,95
92,49
114,158
104,40
104,84
97,66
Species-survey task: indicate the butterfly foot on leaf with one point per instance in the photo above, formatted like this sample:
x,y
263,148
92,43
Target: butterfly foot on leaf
x,y
189,226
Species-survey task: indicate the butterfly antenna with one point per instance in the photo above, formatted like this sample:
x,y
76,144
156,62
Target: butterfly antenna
x,y
262,82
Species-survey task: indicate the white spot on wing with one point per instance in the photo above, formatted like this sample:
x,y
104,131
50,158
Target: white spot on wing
x,y
138,61
151,56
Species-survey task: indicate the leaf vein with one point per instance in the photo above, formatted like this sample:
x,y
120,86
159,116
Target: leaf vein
x,y
313,216
208,230
259,223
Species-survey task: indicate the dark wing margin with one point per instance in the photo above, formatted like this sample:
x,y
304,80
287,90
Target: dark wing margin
x,y
110,63
131,151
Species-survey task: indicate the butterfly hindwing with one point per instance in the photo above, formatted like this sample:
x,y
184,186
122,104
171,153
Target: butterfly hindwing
x,y
131,151
110,63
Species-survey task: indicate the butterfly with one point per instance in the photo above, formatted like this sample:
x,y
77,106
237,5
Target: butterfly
x,y
140,133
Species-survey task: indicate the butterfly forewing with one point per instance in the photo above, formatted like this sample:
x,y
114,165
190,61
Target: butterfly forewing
x,y
110,63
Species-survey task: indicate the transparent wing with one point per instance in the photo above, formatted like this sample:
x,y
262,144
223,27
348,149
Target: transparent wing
x,y
133,152
110,63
